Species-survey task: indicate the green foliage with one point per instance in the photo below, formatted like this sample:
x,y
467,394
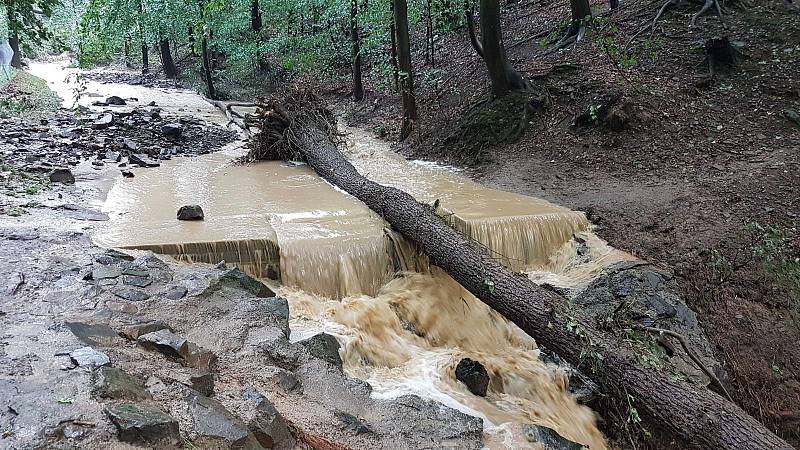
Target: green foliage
x,y
778,250
24,20
605,36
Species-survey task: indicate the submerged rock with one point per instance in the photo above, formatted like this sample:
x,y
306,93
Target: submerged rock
x,y
191,212
548,438
141,424
63,176
473,375
116,101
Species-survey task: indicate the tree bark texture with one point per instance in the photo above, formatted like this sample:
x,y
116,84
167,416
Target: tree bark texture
x,y
255,16
473,35
694,415
504,78
16,58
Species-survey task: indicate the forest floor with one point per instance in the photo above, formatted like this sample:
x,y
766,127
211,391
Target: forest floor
x,y
695,162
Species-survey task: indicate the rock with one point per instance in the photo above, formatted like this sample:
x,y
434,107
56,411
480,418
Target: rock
x,y
549,439
63,176
352,423
198,357
190,212
103,121
281,378
473,375
236,278
142,161
175,293
276,310
264,421
172,130
141,424
112,257
127,174
100,334
215,426
325,347
116,101
88,357
203,383
116,384
133,332
793,116
138,281
106,271
131,294
637,292
170,344
164,341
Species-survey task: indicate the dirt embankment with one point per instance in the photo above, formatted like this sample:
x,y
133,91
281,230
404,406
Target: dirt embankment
x,y
688,162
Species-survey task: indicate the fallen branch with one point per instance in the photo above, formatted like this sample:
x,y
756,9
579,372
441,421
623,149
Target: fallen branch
x,y
709,373
300,125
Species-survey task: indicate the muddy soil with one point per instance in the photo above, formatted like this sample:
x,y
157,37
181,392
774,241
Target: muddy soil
x,y
690,161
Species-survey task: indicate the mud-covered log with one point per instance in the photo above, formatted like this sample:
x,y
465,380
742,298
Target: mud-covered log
x,y
700,418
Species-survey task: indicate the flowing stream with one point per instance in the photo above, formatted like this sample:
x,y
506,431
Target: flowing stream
x,y
403,325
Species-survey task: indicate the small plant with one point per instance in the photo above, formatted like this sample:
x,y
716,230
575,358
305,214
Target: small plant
x,y
778,250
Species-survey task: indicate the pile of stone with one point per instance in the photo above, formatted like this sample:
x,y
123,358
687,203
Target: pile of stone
x,y
146,79
140,137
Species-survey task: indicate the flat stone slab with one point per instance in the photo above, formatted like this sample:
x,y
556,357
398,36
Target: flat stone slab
x,y
142,424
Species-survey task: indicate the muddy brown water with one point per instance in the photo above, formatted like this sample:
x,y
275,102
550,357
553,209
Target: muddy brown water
x,y
345,272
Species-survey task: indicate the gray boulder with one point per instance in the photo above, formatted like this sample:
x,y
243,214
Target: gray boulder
x,y
172,130
325,347
548,438
116,384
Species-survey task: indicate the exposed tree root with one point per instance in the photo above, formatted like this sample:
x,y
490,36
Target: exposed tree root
x,y
575,33
670,4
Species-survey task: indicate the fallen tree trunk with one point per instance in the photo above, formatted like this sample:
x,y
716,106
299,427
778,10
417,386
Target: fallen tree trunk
x,y
301,126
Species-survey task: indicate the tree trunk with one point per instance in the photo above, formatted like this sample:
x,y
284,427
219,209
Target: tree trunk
x,y
190,32
166,59
614,4
255,16
580,9
212,93
473,35
358,83
127,49
145,59
16,58
696,416
395,69
504,78
406,69
429,50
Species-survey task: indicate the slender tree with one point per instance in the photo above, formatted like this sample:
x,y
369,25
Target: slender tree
x,y
25,26
358,83
255,16
166,59
504,78
406,69
473,35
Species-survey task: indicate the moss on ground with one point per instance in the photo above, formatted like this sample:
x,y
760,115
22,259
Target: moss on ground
x,y
27,97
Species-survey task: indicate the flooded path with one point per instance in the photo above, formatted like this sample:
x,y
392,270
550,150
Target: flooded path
x,y
403,326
